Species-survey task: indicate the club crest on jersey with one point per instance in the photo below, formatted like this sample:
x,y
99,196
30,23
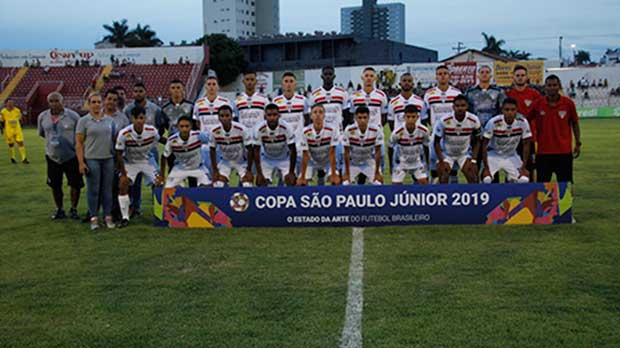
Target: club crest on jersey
x,y
528,102
562,114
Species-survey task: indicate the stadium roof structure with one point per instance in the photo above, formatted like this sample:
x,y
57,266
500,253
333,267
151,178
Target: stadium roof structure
x,y
473,55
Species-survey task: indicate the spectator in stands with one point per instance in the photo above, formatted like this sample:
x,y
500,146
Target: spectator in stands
x,y
181,60
165,61
154,61
57,126
154,118
605,83
556,121
586,95
94,148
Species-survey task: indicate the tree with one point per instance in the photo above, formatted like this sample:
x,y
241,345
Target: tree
x,y
582,57
518,55
226,57
492,45
143,36
119,33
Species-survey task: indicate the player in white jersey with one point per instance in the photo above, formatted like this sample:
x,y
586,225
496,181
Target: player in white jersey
x,y
362,150
185,146
454,136
231,139
501,137
274,149
438,102
318,144
133,148
413,140
396,108
335,100
374,99
205,113
250,105
293,107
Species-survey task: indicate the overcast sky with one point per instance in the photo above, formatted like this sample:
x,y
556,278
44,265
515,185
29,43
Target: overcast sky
x,y
531,25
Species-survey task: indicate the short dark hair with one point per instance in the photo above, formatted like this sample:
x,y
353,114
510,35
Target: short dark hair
x,y
369,68
111,91
512,101
411,108
139,85
177,81
362,110
328,67
461,97
553,77
272,106
185,118
249,72
443,66
406,74
137,111
119,88
519,67
213,77
289,73
317,106
224,107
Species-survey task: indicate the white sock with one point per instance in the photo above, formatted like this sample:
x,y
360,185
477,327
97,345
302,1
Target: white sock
x,y
487,180
123,202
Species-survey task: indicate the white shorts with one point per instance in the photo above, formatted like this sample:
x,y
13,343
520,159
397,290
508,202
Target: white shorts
x,y
225,167
313,169
148,170
510,165
271,167
460,161
177,176
399,174
367,169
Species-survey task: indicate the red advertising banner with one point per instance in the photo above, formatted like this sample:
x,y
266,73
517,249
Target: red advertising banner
x,y
463,74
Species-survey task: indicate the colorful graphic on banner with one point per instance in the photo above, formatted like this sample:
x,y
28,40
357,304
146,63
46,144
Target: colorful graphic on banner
x,y
463,74
504,71
549,203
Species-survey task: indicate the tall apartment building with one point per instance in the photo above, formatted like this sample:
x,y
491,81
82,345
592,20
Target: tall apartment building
x,y
241,18
374,21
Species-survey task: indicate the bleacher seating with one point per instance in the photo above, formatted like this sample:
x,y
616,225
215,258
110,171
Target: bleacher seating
x,y
76,80
154,77
5,76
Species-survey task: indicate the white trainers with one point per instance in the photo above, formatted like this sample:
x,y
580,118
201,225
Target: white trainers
x,y
94,223
109,223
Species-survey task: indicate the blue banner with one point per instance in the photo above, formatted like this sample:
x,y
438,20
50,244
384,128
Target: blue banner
x,y
537,203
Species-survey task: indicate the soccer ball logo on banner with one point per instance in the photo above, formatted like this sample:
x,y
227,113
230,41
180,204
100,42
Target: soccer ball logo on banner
x,y
239,202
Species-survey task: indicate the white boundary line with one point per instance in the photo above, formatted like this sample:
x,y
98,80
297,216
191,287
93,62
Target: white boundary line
x,y
352,331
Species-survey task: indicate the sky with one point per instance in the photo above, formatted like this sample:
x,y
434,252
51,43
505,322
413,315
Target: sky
x,y
531,25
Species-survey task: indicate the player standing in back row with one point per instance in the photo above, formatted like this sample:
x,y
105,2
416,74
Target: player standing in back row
x,y
205,113
250,105
335,100
438,102
369,96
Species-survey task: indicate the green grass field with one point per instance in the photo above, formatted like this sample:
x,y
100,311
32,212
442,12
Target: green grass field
x,y
449,286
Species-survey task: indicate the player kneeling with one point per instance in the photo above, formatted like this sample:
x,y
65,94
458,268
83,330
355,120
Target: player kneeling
x,y
274,149
501,137
413,140
230,139
185,145
454,136
133,147
362,150
318,144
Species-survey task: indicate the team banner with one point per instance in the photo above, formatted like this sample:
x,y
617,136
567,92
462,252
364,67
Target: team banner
x,y
504,71
536,203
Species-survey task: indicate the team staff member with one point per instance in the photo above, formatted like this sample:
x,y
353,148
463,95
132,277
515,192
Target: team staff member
x,y
57,126
94,141
556,120
11,116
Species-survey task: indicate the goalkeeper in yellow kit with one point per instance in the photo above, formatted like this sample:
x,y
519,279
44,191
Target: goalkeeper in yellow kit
x,y
10,117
